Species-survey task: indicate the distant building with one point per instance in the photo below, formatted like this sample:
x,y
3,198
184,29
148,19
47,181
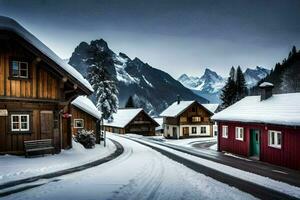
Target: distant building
x,y
85,115
160,129
132,120
185,119
265,127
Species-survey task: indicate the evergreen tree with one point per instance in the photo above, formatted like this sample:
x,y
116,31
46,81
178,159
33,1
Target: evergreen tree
x,y
232,74
294,50
241,87
228,95
102,82
130,103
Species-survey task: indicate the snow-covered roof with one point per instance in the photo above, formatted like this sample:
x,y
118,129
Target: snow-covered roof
x,y
11,25
123,117
212,107
281,109
266,84
175,109
160,121
86,105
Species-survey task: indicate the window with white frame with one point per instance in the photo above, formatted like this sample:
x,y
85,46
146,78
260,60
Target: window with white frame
x,y
203,130
20,122
239,133
275,139
19,69
194,130
78,123
225,131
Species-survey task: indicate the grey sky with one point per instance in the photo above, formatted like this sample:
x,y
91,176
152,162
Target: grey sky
x,y
175,36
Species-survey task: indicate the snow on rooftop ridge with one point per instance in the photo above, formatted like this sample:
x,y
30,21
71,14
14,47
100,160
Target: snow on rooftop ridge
x,y
86,105
123,117
175,109
10,24
212,107
281,109
266,84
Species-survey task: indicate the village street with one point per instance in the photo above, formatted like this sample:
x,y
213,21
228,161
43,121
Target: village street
x,y
139,173
143,172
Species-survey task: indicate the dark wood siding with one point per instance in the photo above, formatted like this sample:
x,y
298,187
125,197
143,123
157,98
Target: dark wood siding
x,y
12,142
89,121
287,156
40,83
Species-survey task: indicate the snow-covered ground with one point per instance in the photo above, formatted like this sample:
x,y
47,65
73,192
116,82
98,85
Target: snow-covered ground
x,y
257,179
18,167
139,173
188,142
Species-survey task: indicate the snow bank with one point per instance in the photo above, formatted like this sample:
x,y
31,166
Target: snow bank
x,y
16,167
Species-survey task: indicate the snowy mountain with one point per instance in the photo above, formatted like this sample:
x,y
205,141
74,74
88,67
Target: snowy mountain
x,y
252,76
151,88
210,83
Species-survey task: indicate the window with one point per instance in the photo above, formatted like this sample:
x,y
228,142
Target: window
x,y
19,122
275,139
203,130
196,119
19,69
193,109
78,123
194,130
239,133
225,131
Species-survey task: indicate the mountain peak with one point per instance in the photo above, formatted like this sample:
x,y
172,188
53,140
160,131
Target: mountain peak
x,y
100,44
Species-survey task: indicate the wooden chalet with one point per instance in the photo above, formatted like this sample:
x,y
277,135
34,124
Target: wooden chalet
x,y
185,119
36,88
265,127
85,115
132,120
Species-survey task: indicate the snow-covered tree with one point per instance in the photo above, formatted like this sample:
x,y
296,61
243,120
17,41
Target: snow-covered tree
x,y
105,87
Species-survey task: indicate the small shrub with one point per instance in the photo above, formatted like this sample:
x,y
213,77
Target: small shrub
x,y
86,138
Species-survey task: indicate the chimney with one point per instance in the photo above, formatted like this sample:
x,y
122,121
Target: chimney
x,y
178,99
266,90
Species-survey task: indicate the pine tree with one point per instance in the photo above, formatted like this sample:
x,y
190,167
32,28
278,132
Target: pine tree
x,y
232,74
103,83
228,95
241,87
130,103
294,50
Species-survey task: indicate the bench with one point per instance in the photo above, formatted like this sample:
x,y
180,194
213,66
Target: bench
x,y
38,145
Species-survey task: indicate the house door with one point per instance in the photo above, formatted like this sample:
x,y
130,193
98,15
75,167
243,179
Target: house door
x,y
185,131
47,120
254,142
175,132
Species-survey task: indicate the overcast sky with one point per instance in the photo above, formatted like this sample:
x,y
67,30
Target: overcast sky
x,y
175,36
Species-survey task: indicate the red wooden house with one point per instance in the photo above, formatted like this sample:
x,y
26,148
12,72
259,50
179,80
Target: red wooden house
x,y
265,127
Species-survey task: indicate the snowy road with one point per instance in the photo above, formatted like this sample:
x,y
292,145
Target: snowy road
x,y
139,173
